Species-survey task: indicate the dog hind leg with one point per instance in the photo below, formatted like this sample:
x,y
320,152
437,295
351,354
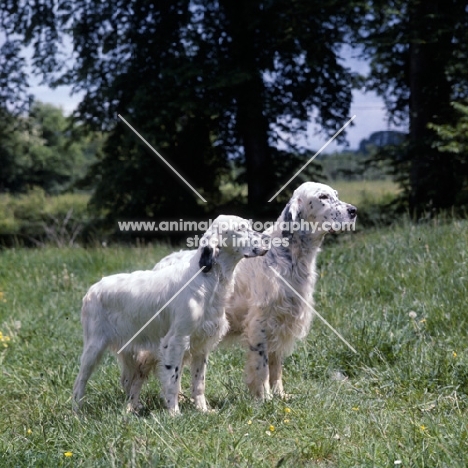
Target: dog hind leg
x,y
128,365
135,371
90,358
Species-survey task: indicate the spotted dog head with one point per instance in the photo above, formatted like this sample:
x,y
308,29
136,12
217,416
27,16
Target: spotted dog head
x,y
318,206
232,237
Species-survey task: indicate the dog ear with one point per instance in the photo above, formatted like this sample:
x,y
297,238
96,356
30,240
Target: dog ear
x,y
206,259
295,206
291,214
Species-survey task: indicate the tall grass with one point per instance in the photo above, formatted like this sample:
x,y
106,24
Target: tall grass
x,y
397,295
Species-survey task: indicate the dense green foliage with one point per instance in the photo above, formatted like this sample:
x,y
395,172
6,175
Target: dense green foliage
x,y
453,139
35,219
418,52
397,295
203,81
211,83
41,150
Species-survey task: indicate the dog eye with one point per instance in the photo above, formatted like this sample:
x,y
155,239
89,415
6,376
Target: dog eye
x,y
324,197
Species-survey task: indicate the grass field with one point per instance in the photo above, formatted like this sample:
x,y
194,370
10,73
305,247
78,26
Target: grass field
x,y
398,295
357,192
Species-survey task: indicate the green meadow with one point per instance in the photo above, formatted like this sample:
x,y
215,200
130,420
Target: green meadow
x,y
362,191
397,294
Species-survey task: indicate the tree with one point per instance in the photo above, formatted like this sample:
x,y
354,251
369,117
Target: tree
x,y
203,81
13,80
39,150
453,138
276,62
14,98
417,49
380,139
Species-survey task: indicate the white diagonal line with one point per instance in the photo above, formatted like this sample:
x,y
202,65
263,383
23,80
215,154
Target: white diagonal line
x,y
313,157
310,307
158,312
157,154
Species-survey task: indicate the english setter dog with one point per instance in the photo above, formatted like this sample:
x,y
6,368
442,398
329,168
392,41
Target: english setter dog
x,y
190,325
262,310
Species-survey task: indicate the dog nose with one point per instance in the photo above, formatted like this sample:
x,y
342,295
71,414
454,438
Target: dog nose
x,y
352,211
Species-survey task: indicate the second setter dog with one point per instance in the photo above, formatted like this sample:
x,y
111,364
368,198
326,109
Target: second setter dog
x,y
187,328
265,312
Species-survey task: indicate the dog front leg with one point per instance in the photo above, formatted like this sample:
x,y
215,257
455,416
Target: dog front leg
x,y
170,369
256,370
276,373
198,371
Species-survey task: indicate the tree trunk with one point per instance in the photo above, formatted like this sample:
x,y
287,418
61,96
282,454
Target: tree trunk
x,y
432,178
252,125
253,128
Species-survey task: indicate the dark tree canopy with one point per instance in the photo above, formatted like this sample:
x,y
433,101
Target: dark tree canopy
x,y
204,81
211,82
419,51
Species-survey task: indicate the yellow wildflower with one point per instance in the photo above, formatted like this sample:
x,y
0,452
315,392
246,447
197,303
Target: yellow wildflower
x,y
355,408
249,422
454,354
29,432
287,410
272,428
4,339
68,454
286,421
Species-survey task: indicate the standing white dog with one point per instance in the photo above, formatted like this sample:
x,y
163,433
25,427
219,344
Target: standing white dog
x,y
190,326
262,309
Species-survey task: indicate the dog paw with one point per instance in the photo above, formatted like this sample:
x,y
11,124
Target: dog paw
x,y
134,408
76,406
200,404
174,412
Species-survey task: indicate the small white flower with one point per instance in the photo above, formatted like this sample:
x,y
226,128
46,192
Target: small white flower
x,y
398,462
338,376
412,315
